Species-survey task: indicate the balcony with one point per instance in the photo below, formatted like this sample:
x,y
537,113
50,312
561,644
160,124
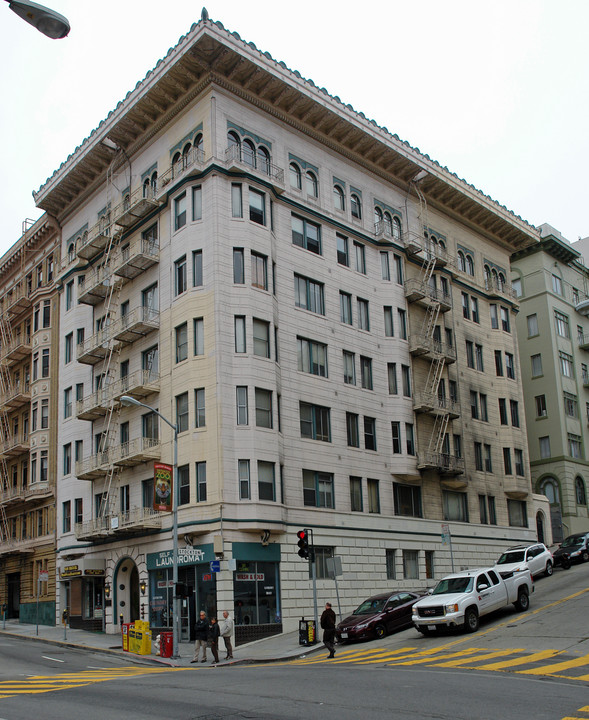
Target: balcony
x,y
95,405
135,258
136,324
39,490
96,241
193,159
94,467
12,495
422,293
16,397
99,527
15,445
499,289
139,384
134,207
583,342
442,463
26,546
135,520
432,403
417,245
236,158
96,287
17,300
136,451
95,348
16,351
422,345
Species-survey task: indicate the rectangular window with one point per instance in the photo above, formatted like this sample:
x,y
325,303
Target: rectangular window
x,y
385,268
45,363
199,336
518,456
474,306
505,324
478,354
366,372
396,432
236,201
69,295
474,404
238,266
182,412
241,404
349,367
409,439
503,411
46,314
181,342
67,403
266,481
402,318
429,564
312,357
556,285
373,496
199,408
470,354
343,254
201,481
67,459
544,447
390,559
363,315
494,316
369,433
183,484
318,489
398,269
306,234
69,345
243,469
465,306
309,294
407,499
67,516
518,513
561,322
410,564
389,330
541,410
263,408
315,422
392,378
78,511
406,380
536,365
360,255
257,202
197,202
322,554
498,363
356,504
483,509
509,366
455,506
575,446
180,276
514,408
352,429
239,322
345,302
259,271
197,268
180,211
478,456
261,336
507,461
532,321
566,364
488,459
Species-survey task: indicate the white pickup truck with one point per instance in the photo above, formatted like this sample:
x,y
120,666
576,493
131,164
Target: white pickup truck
x,y
460,599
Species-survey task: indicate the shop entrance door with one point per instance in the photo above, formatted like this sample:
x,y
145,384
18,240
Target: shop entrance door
x,y
13,599
187,620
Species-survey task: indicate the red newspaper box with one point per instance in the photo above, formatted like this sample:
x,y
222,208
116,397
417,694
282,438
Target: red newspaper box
x,y
166,644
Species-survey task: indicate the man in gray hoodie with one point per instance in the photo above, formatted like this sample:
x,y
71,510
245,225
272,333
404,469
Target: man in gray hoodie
x,y
226,628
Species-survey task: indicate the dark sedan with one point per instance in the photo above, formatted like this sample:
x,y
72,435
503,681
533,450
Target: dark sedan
x,y
378,616
575,546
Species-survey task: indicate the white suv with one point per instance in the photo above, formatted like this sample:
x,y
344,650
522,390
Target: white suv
x,y
537,558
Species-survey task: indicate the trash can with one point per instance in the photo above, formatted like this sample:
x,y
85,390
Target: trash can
x,y
166,644
125,634
307,632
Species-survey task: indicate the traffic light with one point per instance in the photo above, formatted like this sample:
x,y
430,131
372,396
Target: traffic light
x,y
303,543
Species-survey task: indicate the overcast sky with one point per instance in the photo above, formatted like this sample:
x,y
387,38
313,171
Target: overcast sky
x,y
496,91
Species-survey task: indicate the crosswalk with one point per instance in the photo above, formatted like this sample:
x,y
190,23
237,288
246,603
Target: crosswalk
x,y
50,683
553,663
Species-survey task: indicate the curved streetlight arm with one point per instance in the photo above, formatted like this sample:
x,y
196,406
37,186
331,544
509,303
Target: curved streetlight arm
x,y
46,20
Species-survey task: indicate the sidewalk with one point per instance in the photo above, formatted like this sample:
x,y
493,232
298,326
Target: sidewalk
x,y
279,647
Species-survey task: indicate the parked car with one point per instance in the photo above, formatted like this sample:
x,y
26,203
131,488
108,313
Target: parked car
x,y
575,546
377,616
536,558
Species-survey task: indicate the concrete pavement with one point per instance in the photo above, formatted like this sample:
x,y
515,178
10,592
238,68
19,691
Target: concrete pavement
x,y
279,647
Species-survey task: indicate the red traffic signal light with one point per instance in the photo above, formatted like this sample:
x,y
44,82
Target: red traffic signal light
x,y
303,543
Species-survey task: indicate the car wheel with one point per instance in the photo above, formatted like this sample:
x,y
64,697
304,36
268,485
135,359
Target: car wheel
x,y
380,631
471,620
423,630
523,600
549,569
585,555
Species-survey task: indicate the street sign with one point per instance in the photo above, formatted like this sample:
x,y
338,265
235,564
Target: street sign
x,y
334,566
215,566
43,576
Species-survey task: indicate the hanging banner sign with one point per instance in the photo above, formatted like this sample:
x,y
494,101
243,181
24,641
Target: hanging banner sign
x,y
162,487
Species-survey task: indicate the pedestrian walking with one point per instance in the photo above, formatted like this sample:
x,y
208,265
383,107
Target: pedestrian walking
x,y
213,638
327,623
201,632
226,629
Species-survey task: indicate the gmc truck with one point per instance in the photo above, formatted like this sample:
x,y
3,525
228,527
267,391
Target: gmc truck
x,y
460,599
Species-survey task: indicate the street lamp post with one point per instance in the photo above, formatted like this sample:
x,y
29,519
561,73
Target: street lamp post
x,y
46,20
127,400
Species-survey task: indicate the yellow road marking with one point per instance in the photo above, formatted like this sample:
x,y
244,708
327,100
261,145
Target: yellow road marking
x,y
478,658
422,660
542,655
557,667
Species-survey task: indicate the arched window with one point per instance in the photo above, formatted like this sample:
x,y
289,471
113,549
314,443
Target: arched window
x,y
501,281
549,487
263,160
126,201
312,184
154,182
186,155
295,176
442,244
378,226
176,163
233,145
388,223
339,199
580,493
396,228
146,188
469,265
71,252
356,206
487,271
249,153
461,261
199,147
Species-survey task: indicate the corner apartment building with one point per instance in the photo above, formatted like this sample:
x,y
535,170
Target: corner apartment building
x,y
552,282
325,314
29,331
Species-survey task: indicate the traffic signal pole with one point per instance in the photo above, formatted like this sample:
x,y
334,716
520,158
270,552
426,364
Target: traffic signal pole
x,y
314,577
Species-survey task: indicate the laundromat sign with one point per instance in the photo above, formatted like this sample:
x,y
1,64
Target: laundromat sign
x,y
186,556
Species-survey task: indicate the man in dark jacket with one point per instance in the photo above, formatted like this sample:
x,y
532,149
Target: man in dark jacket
x,y
213,634
327,622
201,632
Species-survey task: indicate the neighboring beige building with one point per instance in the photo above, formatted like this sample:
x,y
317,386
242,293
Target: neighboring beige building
x,y
29,343
553,331
323,311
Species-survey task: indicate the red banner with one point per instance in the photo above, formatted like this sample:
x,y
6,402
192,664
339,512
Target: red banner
x,y
163,485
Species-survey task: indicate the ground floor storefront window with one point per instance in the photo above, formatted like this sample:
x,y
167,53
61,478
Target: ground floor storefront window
x,y
256,593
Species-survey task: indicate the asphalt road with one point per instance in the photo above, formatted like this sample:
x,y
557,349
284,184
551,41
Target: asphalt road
x,y
485,676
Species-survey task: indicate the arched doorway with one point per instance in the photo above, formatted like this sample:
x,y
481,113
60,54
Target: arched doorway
x,y
126,582
549,486
540,526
